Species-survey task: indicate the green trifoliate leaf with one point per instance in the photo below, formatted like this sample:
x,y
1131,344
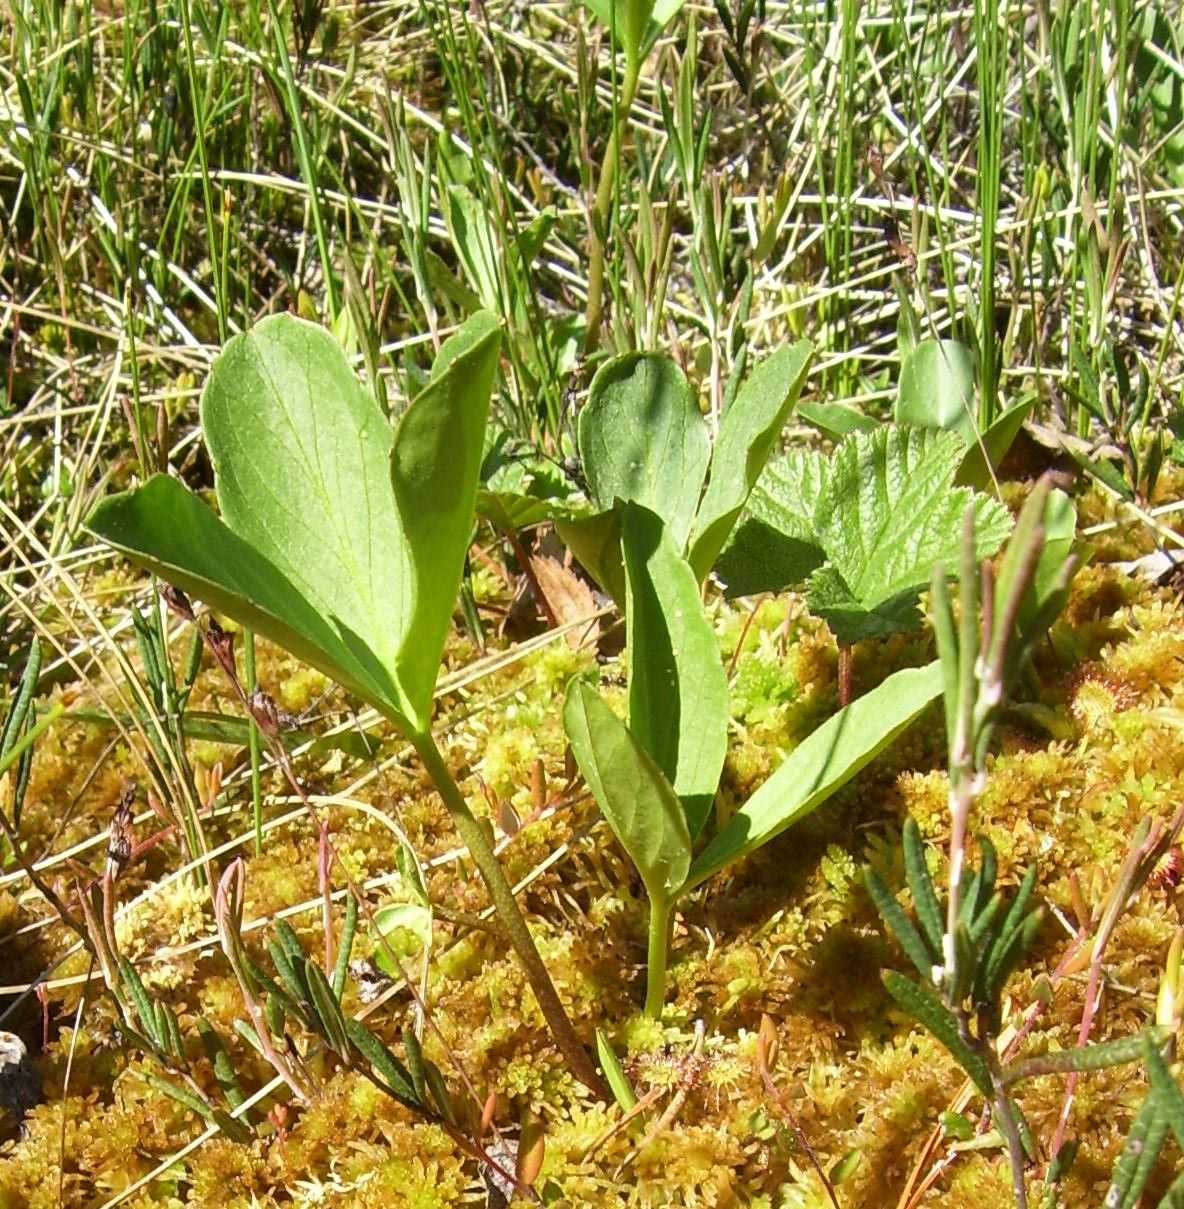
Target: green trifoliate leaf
x,y
314,548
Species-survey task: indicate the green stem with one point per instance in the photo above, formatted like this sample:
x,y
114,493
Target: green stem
x,y
598,226
479,844
659,946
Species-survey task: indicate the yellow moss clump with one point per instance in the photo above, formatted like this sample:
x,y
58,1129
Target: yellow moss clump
x,y
162,920
300,688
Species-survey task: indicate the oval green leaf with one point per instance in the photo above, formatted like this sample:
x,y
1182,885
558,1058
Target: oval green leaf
x,y
937,389
641,438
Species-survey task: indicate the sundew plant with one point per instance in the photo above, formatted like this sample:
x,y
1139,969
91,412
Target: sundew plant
x,y
590,604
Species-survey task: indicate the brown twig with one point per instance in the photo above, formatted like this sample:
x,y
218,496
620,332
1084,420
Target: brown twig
x,y
765,1052
1151,840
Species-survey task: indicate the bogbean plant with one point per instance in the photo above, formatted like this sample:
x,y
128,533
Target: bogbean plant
x,y
663,502
343,540
966,948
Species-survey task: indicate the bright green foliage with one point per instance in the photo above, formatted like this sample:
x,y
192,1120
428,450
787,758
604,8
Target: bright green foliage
x,y
642,809
406,929
1048,591
866,525
614,1073
642,439
820,766
886,514
474,241
937,389
837,420
312,548
776,544
647,817
985,454
595,540
1162,42
434,467
678,693
518,487
637,800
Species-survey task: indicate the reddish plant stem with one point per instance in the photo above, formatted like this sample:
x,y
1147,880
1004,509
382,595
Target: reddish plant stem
x,y
845,674
1150,842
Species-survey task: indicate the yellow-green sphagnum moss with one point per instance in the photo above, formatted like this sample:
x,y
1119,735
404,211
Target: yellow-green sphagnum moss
x,y
788,933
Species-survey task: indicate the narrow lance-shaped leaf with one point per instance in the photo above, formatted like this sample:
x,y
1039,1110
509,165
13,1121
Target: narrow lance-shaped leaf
x,y
1059,521
393,1073
1134,1165
636,799
921,884
903,928
678,691
820,765
19,707
747,435
328,1010
232,1127
1082,1058
928,1009
614,1073
1164,1084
